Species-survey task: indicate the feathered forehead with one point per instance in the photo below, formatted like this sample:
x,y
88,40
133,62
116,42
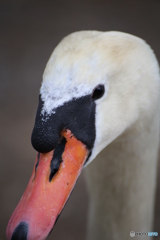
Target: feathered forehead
x,y
74,69
83,60
77,57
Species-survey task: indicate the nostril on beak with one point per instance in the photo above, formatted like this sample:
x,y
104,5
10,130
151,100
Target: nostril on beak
x,y
20,232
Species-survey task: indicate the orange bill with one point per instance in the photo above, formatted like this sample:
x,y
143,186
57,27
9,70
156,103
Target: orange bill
x,y
47,191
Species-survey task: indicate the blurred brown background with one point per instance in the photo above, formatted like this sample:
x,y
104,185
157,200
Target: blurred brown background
x,y
29,31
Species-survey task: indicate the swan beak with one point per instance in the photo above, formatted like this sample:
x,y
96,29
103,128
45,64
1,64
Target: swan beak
x,y
48,190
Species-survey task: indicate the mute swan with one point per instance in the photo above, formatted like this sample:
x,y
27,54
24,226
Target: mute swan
x,y
99,99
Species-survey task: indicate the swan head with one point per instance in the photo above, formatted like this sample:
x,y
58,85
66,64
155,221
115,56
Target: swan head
x,y
95,87
119,63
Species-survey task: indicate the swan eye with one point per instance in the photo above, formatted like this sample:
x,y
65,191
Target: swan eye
x,y
98,92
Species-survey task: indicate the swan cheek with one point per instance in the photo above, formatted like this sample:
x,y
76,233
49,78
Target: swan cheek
x,y
47,190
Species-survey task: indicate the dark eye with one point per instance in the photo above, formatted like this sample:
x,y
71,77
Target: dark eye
x,y
98,92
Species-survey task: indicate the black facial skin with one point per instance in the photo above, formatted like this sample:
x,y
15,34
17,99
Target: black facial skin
x,y
57,158
77,115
